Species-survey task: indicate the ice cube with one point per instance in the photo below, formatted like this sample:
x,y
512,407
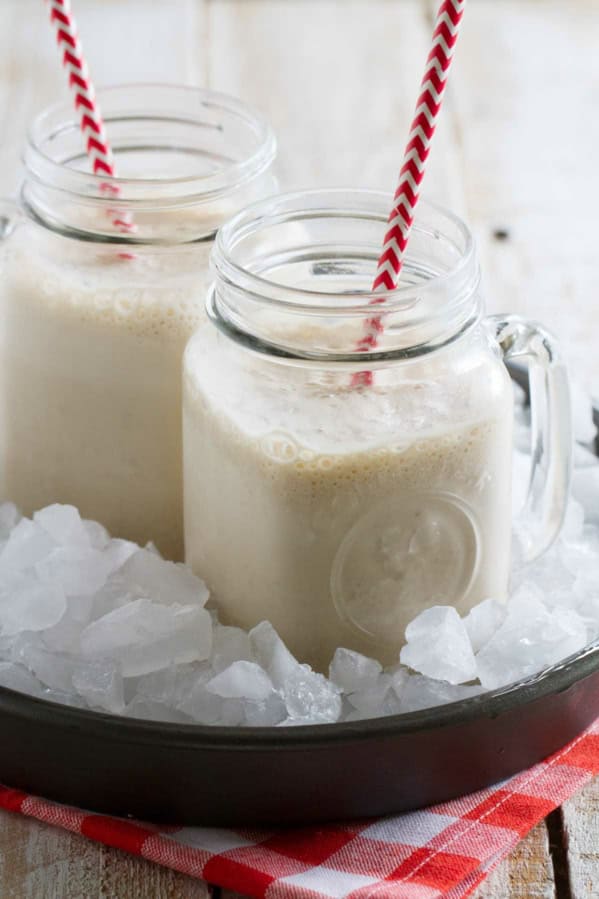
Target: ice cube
x,y
584,457
353,671
147,575
241,680
585,489
271,654
27,605
80,608
301,722
311,697
518,551
549,580
64,525
585,430
17,677
399,678
483,620
152,548
376,700
78,571
201,705
100,684
438,646
588,606
63,698
425,692
581,557
232,713
111,596
231,644
28,543
528,599
9,519
143,636
568,634
172,685
55,670
117,552
573,522
267,713
7,645
531,638
354,715
65,636
97,535
148,710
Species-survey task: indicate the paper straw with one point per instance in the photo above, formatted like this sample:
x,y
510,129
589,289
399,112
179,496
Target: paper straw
x,y
401,218
86,105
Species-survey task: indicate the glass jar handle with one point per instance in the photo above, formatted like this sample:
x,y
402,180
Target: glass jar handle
x,y
542,515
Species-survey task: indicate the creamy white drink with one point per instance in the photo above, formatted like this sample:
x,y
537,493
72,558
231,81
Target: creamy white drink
x,y
94,319
339,514
90,383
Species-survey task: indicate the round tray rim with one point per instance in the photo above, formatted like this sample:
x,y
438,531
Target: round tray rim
x,y
490,704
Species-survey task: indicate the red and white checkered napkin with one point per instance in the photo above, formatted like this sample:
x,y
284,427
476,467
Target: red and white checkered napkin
x,y
444,851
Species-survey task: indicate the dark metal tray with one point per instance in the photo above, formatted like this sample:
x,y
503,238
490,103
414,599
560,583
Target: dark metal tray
x,y
186,774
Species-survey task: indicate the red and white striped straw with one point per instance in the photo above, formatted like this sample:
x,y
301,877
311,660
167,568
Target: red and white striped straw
x,y
401,218
86,104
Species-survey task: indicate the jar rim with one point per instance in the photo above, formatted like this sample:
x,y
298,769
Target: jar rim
x,y
60,116
277,295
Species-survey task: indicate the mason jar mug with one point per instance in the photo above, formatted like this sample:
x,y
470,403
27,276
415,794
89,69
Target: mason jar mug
x,y
338,493
94,318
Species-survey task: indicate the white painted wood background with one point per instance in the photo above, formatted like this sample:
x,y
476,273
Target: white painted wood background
x,y
517,150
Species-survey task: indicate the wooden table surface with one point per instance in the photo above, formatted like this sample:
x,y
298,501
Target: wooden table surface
x,y
515,154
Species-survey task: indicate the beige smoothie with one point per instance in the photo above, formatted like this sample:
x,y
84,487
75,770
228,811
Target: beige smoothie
x,y
339,514
90,381
94,318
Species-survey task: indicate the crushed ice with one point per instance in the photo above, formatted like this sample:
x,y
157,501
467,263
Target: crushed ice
x,y
104,624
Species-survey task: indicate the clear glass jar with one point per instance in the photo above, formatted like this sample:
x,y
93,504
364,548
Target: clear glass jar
x,y
93,322
339,512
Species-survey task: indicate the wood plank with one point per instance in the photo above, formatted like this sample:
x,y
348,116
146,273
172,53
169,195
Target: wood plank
x,y
139,41
524,102
123,41
30,78
42,862
338,80
526,874
580,816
